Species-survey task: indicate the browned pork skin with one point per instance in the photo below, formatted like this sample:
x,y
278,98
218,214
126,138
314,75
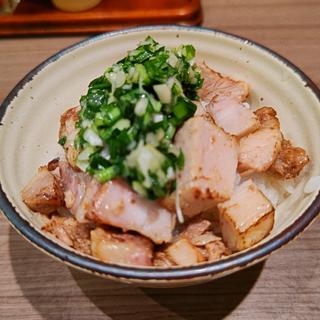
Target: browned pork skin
x,y
43,193
246,218
70,232
290,161
122,248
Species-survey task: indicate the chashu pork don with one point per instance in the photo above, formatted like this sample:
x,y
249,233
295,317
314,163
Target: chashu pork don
x,y
223,136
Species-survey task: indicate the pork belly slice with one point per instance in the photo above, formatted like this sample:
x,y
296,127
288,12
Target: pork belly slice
x,y
259,149
116,204
122,248
220,87
75,186
290,161
70,232
68,132
43,193
209,173
246,218
183,253
233,116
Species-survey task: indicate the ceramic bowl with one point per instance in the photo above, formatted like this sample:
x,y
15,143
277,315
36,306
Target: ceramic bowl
x,y
30,121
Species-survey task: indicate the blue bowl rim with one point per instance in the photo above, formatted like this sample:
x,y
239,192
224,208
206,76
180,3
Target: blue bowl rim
x,y
88,264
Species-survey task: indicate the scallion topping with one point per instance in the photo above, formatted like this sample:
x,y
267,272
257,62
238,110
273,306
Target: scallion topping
x,y
131,113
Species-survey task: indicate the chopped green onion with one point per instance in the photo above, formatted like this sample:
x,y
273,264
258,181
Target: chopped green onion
x,y
130,114
107,174
183,109
141,106
62,141
84,155
91,137
121,124
139,188
163,92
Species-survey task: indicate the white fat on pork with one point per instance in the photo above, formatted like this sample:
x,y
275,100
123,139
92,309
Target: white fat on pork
x,y
259,149
122,248
246,218
233,116
220,87
74,185
118,205
209,173
183,253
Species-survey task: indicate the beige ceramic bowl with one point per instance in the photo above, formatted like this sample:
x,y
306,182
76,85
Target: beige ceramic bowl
x,y
30,122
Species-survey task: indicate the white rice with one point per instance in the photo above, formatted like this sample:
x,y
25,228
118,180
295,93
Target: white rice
x,y
275,189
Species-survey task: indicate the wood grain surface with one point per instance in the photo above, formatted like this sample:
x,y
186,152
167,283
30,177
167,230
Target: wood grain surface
x,y
286,286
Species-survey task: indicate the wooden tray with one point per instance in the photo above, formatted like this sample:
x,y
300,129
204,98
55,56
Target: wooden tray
x,y
40,17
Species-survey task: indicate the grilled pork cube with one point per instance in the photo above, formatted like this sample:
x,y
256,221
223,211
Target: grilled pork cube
x,y
70,232
260,149
209,173
290,161
233,116
183,253
43,193
68,132
116,204
122,248
219,87
246,218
